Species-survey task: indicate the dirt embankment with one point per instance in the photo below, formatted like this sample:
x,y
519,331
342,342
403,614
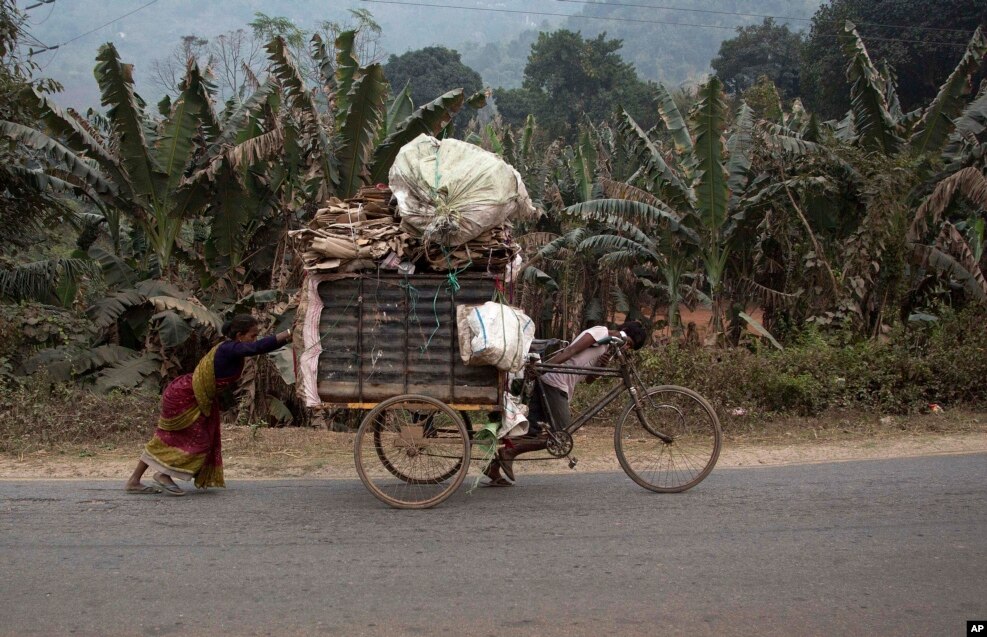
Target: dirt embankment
x,y
311,453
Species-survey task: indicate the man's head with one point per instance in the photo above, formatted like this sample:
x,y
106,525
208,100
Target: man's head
x,y
635,332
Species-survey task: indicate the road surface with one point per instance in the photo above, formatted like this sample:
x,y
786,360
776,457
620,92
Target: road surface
x,y
890,547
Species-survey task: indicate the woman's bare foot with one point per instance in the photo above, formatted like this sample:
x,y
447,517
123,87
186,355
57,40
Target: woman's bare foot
x,y
139,488
133,484
165,482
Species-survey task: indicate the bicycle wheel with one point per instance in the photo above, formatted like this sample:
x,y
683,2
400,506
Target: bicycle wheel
x,y
682,463
408,448
429,430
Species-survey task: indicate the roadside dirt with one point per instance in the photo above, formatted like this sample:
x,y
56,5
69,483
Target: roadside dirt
x,y
308,453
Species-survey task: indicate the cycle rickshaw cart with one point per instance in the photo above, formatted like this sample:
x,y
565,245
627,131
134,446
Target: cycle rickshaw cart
x,y
388,343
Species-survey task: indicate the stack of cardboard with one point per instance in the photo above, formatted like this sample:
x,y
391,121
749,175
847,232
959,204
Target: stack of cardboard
x,y
364,233
352,235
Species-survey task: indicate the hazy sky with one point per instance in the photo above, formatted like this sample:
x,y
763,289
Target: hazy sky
x,y
153,28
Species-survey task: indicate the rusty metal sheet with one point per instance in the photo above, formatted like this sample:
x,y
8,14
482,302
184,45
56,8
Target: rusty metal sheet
x,y
384,335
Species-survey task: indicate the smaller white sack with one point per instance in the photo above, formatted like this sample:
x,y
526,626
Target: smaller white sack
x,y
494,334
515,417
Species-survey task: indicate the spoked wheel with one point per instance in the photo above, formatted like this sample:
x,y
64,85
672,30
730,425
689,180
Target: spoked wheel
x,y
412,452
394,458
693,442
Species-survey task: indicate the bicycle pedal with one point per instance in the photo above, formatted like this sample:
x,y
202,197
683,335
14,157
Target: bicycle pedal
x,y
572,462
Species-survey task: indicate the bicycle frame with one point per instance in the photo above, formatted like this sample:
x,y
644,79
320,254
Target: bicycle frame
x,y
630,382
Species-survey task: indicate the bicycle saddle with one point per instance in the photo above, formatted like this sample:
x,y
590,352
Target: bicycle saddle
x,y
545,346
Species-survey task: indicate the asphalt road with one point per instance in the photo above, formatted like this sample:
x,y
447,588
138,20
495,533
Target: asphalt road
x,y
892,547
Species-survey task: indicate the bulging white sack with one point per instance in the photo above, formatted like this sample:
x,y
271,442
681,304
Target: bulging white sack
x,y
494,334
450,192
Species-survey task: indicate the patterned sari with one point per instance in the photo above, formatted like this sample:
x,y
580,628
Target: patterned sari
x,y
187,443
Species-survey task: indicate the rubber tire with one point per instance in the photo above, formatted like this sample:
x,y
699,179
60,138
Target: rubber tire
x,y
629,413
367,425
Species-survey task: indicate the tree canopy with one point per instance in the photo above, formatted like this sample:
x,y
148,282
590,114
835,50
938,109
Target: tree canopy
x,y
431,71
923,53
767,49
568,78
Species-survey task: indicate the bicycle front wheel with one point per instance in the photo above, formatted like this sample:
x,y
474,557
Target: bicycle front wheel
x,y
681,415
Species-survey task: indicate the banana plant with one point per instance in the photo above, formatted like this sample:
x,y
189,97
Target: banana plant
x,y
698,182
949,252
644,235
875,121
139,169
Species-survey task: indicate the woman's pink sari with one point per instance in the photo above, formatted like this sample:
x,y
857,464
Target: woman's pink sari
x,y
187,444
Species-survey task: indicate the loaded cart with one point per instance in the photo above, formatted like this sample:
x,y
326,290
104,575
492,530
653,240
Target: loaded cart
x,y
385,273
387,343
394,274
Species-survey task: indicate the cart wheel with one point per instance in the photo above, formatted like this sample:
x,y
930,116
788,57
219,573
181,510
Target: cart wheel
x,y
394,458
412,452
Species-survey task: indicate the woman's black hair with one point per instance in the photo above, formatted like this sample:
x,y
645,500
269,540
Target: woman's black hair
x,y
636,332
239,324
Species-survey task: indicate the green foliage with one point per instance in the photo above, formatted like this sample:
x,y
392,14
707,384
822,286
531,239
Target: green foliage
x,y
767,49
937,119
432,71
872,119
28,327
428,119
659,42
24,203
568,78
943,363
923,45
363,118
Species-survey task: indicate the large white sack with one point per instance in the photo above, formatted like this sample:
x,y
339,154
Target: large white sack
x,y
449,192
494,334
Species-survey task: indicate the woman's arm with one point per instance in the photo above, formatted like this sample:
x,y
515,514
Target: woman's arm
x,y
261,345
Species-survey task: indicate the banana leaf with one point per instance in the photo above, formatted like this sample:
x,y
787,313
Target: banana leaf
x,y
739,146
400,109
284,360
75,136
116,271
187,309
59,154
640,218
872,121
760,329
128,374
428,119
126,114
172,329
712,192
669,186
359,128
174,147
674,122
347,72
937,120
585,166
108,309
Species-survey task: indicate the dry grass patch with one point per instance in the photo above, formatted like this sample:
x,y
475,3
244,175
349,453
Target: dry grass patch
x,y
57,431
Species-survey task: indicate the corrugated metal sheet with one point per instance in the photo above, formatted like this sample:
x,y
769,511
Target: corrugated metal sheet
x,y
388,335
